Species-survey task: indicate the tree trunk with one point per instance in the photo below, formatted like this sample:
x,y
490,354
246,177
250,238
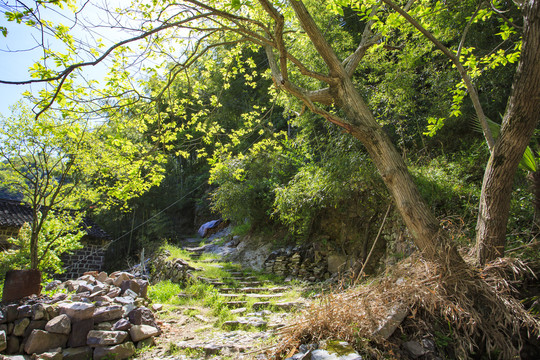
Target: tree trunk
x,y
360,122
421,223
521,117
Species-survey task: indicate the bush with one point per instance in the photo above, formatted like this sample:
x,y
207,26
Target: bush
x,y
342,184
246,183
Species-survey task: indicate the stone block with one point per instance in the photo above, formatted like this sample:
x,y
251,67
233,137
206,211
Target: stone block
x,y
108,313
118,352
102,276
24,311
395,317
132,285
106,326
59,325
105,338
141,332
13,345
39,312
3,340
79,332
78,353
40,341
49,355
11,312
77,310
19,326
142,316
3,316
122,324
34,324
123,276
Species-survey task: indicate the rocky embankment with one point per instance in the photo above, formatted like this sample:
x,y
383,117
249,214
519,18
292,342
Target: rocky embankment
x,y
97,316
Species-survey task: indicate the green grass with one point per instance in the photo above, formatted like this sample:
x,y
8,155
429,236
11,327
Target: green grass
x,y
164,292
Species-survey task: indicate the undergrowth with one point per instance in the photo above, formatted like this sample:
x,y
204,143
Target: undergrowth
x,y
477,311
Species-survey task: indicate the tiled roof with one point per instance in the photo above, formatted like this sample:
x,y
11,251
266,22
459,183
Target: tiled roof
x,y
14,213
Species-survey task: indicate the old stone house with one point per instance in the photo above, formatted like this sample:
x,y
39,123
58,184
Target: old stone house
x,y
14,213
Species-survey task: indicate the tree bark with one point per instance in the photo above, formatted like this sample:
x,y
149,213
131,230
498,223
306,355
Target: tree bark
x,y
519,122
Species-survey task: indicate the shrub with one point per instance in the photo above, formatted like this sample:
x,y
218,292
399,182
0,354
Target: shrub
x,y
246,183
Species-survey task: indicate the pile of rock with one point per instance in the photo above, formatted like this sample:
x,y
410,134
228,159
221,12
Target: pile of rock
x,y
103,317
301,261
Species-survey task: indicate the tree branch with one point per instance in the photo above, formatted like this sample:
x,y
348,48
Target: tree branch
x,y
321,45
464,75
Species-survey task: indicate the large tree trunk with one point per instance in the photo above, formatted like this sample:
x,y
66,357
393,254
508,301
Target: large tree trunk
x,y
360,122
421,223
521,117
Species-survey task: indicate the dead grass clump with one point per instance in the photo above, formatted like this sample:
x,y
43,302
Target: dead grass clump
x,y
479,308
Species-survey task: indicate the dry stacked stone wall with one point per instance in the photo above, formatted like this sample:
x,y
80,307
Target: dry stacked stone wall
x,y
102,317
302,262
176,270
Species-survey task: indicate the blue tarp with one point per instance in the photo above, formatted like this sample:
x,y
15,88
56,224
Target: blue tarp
x,y
203,230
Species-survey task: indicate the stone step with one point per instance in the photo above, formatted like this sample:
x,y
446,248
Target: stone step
x,y
244,278
286,306
245,322
253,296
254,290
252,283
236,304
236,273
238,311
209,280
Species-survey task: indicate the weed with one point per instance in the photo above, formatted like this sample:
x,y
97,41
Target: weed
x,y
242,229
191,312
173,349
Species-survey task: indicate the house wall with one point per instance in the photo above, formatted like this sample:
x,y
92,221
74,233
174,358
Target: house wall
x,y
89,258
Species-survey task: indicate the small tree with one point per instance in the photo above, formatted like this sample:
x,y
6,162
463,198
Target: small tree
x,y
61,233
39,161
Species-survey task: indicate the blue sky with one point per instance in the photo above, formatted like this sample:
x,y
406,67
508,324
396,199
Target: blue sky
x,y
15,58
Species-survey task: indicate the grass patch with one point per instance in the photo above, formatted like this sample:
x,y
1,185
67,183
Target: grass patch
x,y
164,292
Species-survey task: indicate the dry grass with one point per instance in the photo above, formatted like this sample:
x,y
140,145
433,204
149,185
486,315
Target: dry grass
x,y
478,306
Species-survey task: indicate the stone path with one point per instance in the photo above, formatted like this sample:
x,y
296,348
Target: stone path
x,y
256,309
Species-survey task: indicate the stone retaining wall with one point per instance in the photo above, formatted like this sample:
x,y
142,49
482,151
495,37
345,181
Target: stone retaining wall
x,y
175,270
302,262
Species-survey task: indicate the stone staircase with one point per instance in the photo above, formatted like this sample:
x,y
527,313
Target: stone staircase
x,y
239,337
242,286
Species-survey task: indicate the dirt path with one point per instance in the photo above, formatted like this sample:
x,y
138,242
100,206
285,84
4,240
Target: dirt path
x,y
226,313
